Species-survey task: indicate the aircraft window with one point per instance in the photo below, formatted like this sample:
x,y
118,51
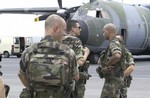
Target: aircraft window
x,y
98,14
91,13
105,15
102,14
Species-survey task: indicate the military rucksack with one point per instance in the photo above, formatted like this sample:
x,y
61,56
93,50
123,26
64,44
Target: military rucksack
x,y
49,64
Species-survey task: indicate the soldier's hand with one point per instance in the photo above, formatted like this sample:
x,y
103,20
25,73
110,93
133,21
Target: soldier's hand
x,y
86,50
107,68
98,69
88,76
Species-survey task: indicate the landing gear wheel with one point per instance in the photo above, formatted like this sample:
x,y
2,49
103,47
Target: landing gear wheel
x,y
93,58
6,54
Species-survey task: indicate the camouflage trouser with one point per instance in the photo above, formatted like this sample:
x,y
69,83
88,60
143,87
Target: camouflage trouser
x,y
123,91
25,93
80,88
111,88
42,94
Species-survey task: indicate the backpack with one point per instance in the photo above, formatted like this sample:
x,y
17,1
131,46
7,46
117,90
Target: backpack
x,y
49,64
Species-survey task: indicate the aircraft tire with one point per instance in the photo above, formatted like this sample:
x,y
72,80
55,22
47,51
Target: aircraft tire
x,y
93,58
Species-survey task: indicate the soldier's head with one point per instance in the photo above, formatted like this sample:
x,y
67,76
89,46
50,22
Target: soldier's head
x,y
109,31
73,27
55,26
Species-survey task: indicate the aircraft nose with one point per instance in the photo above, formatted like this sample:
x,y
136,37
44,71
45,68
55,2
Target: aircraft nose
x,y
84,32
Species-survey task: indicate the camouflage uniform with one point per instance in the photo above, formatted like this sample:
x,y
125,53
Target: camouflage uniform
x,y
114,78
44,91
2,91
76,45
127,80
6,87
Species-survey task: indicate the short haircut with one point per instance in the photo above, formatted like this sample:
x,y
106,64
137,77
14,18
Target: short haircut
x,y
70,24
111,27
52,19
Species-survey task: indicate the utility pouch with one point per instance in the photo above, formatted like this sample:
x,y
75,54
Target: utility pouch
x,y
25,93
98,70
129,78
84,75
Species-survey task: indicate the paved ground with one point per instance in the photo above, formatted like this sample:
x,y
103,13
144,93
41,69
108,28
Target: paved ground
x,y
140,87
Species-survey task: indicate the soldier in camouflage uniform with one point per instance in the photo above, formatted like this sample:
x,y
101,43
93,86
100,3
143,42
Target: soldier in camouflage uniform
x,y
73,30
54,31
2,88
112,64
129,69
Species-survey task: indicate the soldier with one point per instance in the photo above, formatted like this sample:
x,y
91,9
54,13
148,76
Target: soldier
x,y
44,81
128,70
2,88
73,30
112,64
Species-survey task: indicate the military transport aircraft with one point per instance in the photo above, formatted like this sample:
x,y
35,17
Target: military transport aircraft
x,y
132,21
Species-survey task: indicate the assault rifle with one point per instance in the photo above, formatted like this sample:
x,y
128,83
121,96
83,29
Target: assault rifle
x,y
83,71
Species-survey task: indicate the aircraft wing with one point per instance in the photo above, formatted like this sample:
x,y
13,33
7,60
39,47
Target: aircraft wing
x,y
38,10
66,13
43,11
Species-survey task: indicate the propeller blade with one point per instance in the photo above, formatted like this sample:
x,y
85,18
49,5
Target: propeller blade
x,y
60,4
43,17
64,14
40,18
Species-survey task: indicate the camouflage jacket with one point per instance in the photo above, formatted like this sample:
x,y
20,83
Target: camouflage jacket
x,y
26,56
75,44
114,47
129,58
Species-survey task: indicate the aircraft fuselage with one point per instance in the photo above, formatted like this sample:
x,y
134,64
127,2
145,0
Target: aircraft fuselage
x,y
133,22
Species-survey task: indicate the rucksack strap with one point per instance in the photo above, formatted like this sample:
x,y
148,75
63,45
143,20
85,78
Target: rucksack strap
x,y
118,69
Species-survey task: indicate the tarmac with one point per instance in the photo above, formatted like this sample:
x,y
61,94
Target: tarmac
x,y
140,87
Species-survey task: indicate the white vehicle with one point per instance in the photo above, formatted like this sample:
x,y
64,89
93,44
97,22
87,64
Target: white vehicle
x,y
12,46
15,45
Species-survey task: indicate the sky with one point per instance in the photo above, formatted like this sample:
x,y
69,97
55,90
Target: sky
x,y
24,25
